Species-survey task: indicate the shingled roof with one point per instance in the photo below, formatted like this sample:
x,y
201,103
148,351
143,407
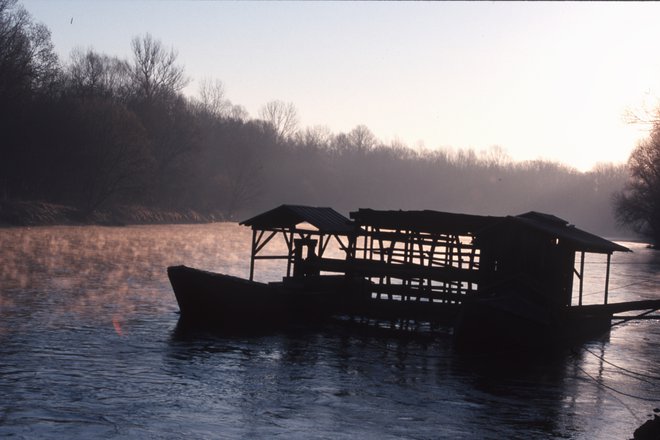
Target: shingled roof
x,y
452,223
423,221
560,229
327,220
288,216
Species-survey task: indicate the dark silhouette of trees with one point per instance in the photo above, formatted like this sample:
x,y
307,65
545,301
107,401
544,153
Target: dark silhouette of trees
x,y
28,63
155,84
110,157
638,205
28,71
90,74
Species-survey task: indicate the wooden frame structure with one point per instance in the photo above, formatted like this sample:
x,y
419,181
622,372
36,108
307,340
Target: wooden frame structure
x,y
431,255
431,260
579,274
442,257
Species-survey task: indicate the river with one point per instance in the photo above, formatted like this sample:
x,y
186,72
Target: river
x,y
90,348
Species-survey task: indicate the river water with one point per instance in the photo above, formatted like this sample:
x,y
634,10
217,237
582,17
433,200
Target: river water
x,y
90,348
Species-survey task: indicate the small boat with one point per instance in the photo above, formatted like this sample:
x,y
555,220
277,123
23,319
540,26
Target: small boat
x,y
220,300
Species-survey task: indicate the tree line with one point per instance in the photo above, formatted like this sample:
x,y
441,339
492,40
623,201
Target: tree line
x,y
96,131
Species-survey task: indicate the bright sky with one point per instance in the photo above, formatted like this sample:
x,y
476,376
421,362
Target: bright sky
x,y
541,80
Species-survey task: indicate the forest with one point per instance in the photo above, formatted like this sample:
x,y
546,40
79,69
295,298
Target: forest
x,y
96,132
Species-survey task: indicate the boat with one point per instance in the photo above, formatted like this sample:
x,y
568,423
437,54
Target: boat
x,y
226,301
302,296
494,279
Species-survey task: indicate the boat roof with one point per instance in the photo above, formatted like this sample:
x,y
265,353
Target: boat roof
x,y
560,229
326,220
468,224
424,221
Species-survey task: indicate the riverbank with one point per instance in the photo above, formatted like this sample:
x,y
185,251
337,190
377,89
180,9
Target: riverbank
x,y
36,213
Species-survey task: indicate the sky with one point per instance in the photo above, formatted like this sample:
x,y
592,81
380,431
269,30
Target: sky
x,y
540,80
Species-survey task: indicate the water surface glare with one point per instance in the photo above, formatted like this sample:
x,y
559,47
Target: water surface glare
x,y
90,348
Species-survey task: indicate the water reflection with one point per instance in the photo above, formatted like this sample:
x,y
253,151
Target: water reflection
x,y
412,385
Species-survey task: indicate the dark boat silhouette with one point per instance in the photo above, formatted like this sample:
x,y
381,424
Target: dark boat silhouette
x,y
495,279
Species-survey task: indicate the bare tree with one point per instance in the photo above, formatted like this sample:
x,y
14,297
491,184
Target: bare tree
x,y
361,138
212,98
495,156
238,113
27,60
282,116
93,74
638,204
318,136
155,72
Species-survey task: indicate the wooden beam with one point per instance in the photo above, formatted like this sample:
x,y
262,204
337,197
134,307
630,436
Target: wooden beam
x,y
289,244
581,277
628,306
607,277
252,252
260,246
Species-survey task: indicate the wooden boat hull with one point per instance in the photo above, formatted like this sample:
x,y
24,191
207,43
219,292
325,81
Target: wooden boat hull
x,y
513,321
222,300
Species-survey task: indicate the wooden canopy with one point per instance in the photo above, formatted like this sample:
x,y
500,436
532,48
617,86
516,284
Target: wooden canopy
x,y
559,229
326,220
476,225
423,221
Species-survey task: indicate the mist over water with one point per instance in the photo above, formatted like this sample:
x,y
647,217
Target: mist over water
x,y
90,348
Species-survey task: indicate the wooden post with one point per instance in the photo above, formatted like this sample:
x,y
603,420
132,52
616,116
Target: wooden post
x,y
289,244
607,276
254,247
581,277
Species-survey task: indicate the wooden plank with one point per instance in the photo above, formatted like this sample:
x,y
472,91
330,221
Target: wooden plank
x,y
271,257
370,268
405,291
426,238
628,306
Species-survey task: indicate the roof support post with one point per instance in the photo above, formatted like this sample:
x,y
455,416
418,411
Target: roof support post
x,y
252,253
607,277
581,277
289,244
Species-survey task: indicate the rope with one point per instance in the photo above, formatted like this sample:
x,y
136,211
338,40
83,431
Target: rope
x,y
601,384
602,358
636,283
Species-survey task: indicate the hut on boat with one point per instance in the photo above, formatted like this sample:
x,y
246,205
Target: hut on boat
x,y
431,261
541,249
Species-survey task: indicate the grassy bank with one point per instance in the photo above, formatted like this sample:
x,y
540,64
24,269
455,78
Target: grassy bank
x,y
36,213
